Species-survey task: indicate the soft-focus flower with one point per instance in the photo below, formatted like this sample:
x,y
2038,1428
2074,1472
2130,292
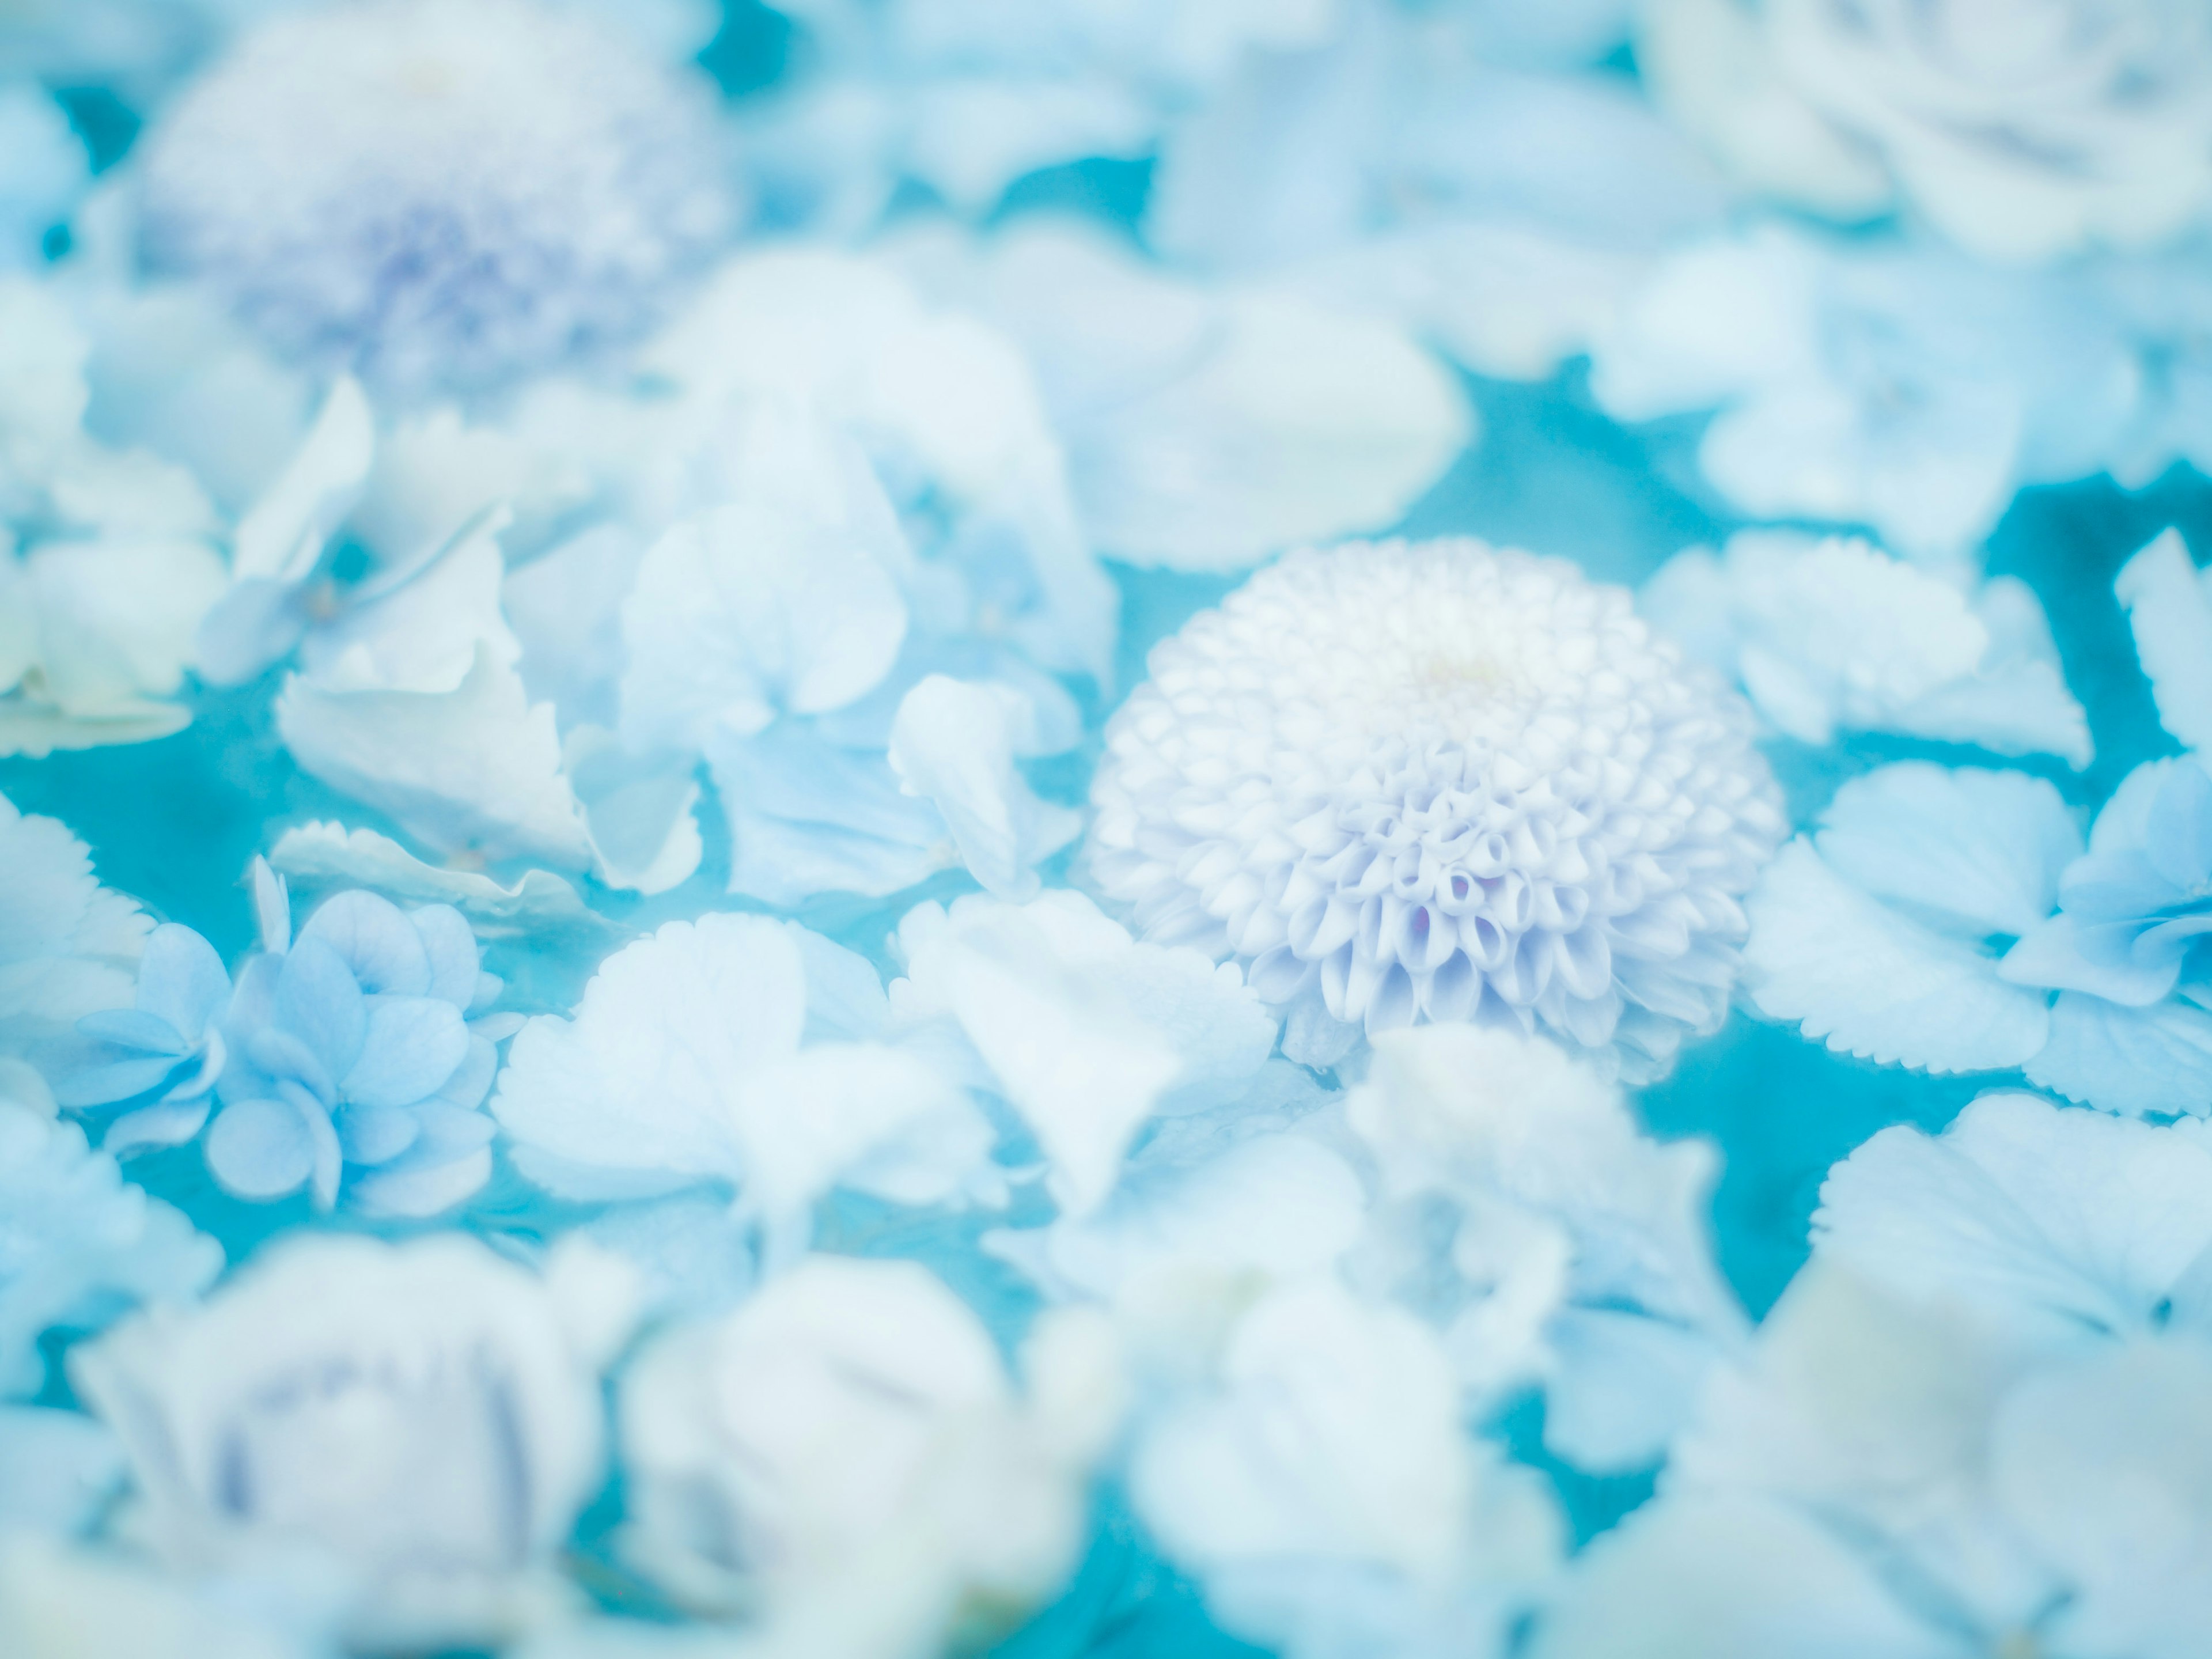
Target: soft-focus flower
x,y
1084,1031
2125,950
59,1602
1318,1481
1437,782
2053,1225
846,1455
79,1244
745,1051
422,1421
1875,931
1892,385
167,1044
69,947
1522,1213
2021,132
2134,913
1830,636
1884,1477
352,1045
436,194
1206,426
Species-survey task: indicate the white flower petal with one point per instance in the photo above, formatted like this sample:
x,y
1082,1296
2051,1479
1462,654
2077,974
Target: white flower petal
x,y
952,743
2047,1220
782,601
1731,1577
424,634
283,534
1873,982
2128,1060
325,855
645,1077
475,769
1087,1031
1977,852
2169,605
2064,1443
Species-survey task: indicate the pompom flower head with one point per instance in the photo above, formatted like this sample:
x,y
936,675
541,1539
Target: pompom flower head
x,y
435,191
1439,781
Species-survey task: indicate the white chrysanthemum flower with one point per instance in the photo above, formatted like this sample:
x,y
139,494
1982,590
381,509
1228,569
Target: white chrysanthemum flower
x,y
436,192
1437,781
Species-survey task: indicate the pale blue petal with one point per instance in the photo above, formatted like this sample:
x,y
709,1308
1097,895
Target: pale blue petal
x,y
2128,1060
374,1134
471,1080
260,1149
373,939
412,1046
273,907
2171,612
320,1004
451,949
2061,954
167,1123
181,981
1876,984
1972,851
135,1029
101,1085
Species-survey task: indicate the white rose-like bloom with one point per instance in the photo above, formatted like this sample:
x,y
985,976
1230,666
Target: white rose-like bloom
x,y
2021,130
436,192
415,1427
1439,781
847,1457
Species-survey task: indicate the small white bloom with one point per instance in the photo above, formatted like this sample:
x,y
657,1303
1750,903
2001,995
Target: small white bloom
x,y
434,193
423,1419
847,1452
1435,780
1833,635
2021,132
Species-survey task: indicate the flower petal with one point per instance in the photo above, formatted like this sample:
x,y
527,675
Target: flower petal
x,y
411,1047
2170,609
2128,1060
1877,984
